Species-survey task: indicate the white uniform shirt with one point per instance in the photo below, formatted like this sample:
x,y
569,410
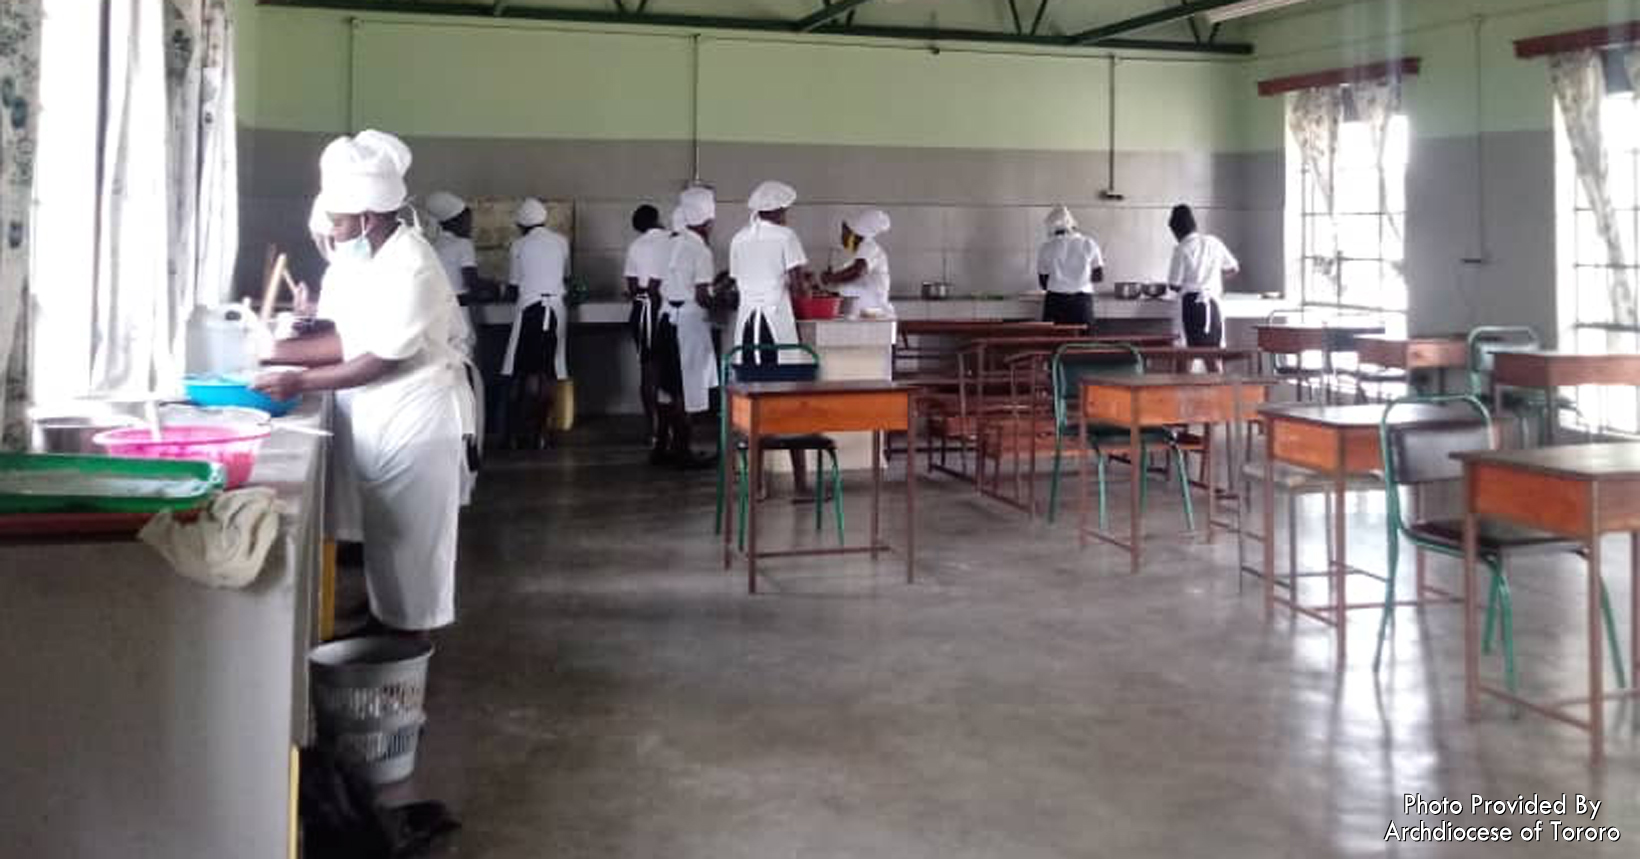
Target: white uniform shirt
x,y
1067,259
871,287
759,257
540,260
648,256
1198,265
398,307
458,255
690,264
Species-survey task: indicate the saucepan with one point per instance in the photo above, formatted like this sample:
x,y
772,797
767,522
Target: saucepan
x,y
1127,290
935,290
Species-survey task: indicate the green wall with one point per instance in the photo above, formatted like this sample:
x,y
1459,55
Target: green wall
x,y
428,76
1513,94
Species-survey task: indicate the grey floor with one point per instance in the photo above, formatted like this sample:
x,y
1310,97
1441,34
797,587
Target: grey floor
x,y
611,691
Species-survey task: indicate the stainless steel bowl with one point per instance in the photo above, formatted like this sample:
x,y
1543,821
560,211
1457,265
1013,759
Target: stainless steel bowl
x,y
935,290
1127,290
73,434
1154,290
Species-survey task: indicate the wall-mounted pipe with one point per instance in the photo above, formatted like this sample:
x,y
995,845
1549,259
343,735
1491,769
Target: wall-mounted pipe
x,y
694,109
1110,192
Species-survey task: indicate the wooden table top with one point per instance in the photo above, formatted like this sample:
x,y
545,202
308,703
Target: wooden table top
x,y
1419,338
1176,380
1357,328
1368,415
786,389
1577,461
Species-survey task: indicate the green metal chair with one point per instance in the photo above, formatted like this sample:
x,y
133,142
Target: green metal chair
x,y
822,445
1418,456
1484,343
1073,362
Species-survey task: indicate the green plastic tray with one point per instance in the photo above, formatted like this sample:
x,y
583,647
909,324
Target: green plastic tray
x,y
58,483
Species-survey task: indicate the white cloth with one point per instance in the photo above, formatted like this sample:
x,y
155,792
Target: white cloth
x,y
698,206
1198,265
457,255
691,266
444,205
870,289
404,431
868,224
771,195
318,221
760,255
226,546
1060,218
531,213
540,260
363,173
1068,260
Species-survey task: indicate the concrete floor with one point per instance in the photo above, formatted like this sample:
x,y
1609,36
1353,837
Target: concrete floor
x,y
610,691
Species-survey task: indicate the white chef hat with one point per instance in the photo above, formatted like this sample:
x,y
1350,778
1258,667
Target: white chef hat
x,y
771,195
531,213
318,221
698,206
868,223
363,173
1060,218
443,205
680,221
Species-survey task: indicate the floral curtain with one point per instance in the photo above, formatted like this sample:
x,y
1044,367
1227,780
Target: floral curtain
x,y
1376,103
19,85
1579,84
1313,118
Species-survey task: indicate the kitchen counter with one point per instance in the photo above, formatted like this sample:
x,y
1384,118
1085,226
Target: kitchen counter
x,y
153,716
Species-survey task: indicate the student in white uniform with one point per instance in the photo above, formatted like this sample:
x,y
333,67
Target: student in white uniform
x,y
684,356
535,349
767,263
646,261
1201,264
391,348
866,278
1068,264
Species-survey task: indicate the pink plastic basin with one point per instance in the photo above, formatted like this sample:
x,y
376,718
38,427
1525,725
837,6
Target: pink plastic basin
x,y
235,447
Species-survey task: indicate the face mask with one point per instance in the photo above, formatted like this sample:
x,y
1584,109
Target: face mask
x,y
353,251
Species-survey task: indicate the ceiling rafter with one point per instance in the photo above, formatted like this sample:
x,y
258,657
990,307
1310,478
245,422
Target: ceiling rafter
x,y
506,11
830,12
1149,19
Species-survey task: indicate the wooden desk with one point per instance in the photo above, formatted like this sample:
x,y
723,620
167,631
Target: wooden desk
x,y
797,408
1550,370
1438,352
1341,441
1576,491
1298,338
1157,400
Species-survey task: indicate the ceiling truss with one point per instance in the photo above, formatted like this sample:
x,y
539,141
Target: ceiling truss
x,y
836,18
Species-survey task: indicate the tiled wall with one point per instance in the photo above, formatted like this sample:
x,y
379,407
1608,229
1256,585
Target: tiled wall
x,y
972,218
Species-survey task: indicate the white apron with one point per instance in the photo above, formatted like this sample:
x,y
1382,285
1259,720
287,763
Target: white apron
x,y
555,310
766,304
409,458
695,354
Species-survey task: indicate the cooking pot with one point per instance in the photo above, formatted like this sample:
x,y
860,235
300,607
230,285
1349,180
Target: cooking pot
x,y
73,433
1154,290
935,290
1127,290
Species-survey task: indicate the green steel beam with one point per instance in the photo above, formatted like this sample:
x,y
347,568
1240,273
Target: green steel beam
x,y
1149,19
831,12
758,25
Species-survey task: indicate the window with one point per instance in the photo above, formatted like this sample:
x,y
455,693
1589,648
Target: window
x,y
1349,246
1587,274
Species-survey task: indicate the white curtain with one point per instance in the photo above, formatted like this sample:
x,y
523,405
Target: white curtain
x,y
1376,103
1313,118
132,330
168,205
1579,84
19,86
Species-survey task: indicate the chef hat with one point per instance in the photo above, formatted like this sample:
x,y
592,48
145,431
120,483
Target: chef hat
x,y
1060,218
698,206
363,173
531,213
318,221
771,195
869,223
680,220
443,205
